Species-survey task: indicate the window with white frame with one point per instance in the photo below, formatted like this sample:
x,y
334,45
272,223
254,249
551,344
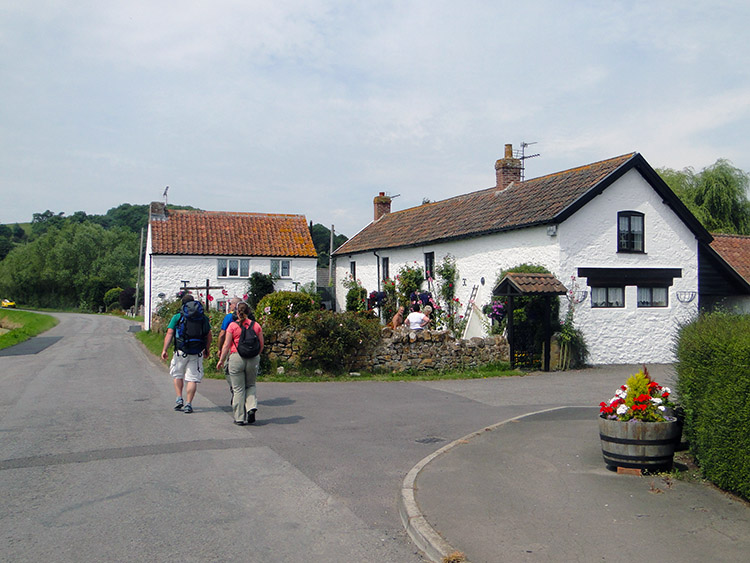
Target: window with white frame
x,y
281,268
233,267
652,296
384,268
607,297
630,231
353,269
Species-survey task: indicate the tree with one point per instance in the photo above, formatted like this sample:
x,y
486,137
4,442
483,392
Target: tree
x,y
19,235
132,217
717,195
42,222
70,266
321,236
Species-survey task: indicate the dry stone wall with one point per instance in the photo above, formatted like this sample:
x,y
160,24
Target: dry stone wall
x,y
402,350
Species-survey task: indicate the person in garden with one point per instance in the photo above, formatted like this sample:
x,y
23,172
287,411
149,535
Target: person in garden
x,y
242,347
192,335
427,310
416,319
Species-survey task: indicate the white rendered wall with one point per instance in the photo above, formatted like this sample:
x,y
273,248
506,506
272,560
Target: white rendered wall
x,y
476,258
588,239
164,274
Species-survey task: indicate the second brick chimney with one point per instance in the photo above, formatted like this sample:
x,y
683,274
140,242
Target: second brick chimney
x,y
382,204
508,169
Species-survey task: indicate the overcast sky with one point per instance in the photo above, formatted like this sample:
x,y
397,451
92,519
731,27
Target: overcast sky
x,y
315,106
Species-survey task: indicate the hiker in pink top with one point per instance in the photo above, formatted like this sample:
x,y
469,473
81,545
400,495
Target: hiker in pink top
x,y
243,345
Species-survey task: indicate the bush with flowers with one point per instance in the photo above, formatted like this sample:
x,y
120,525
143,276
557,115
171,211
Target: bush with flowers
x,y
448,314
640,398
277,310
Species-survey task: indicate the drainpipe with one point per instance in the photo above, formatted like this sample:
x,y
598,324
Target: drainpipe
x,y
377,262
377,256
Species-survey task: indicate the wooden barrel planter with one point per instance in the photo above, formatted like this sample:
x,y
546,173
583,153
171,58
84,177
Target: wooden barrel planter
x,y
639,445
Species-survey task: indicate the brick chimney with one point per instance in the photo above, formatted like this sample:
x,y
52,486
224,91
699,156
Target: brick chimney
x,y
382,204
157,211
508,169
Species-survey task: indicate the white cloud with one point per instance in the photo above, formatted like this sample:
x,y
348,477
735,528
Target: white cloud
x,y
314,106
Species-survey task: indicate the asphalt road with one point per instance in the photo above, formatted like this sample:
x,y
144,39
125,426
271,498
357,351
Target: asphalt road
x,y
96,465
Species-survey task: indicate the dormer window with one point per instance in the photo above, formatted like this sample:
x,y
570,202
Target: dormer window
x,y
630,231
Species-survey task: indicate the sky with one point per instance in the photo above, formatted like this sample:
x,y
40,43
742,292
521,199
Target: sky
x,y
313,107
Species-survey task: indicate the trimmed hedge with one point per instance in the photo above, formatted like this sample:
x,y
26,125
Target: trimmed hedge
x,y
713,384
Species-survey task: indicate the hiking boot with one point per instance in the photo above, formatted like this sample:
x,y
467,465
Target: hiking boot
x,y
188,409
178,404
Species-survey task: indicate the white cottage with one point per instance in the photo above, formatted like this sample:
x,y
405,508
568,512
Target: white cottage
x,y
222,249
613,228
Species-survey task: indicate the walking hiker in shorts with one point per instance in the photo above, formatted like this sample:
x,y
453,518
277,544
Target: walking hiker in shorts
x,y
192,334
243,345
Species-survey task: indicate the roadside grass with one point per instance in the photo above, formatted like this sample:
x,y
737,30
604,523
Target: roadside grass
x,y
154,342
22,325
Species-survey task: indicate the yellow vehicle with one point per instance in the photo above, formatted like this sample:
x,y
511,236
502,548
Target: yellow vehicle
x,y
8,304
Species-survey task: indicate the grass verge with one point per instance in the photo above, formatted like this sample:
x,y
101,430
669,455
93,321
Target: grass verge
x,y
22,325
154,342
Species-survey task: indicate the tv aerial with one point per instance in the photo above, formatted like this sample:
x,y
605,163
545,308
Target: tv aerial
x,y
522,156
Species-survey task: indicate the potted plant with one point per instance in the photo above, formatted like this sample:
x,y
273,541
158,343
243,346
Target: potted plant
x,y
637,426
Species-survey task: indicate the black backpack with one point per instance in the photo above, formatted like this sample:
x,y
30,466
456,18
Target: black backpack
x,y
249,344
190,332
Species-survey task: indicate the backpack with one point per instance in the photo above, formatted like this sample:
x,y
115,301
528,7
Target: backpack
x,y
248,345
190,331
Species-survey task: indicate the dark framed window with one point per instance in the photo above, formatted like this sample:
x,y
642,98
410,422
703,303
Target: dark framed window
x,y
353,269
385,267
608,297
630,231
429,264
653,296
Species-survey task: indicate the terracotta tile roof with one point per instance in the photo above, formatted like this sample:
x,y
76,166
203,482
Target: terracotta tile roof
x,y
516,283
735,250
521,204
217,233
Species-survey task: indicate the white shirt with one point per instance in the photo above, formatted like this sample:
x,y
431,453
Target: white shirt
x,y
415,319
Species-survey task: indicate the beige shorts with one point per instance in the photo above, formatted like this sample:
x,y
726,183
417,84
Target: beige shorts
x,y
187,367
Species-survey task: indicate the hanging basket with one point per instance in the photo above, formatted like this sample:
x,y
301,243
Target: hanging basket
x,y
639,445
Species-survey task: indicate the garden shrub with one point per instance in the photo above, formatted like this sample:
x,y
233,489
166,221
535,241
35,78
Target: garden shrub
x,y
332,341
390,303
277,310
127,298
356,295
259,286
112,297
409,280
713,384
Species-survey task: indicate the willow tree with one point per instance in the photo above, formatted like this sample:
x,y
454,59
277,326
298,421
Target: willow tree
x,y
717,195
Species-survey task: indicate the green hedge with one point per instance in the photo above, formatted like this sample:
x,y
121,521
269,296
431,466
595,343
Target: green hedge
x,y
713,384
332,341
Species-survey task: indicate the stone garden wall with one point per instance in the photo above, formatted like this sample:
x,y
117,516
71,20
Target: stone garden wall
x,y
402,349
